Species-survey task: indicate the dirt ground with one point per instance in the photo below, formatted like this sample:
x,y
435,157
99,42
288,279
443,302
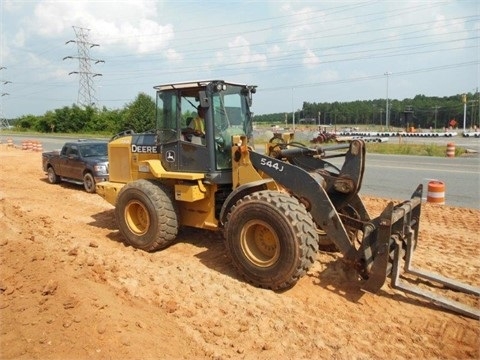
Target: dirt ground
x,y
71,289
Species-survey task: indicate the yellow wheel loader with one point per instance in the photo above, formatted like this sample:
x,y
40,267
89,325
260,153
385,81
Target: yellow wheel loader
x,y
276,209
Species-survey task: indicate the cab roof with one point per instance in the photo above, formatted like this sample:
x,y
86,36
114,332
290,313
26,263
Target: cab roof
x,y
191,84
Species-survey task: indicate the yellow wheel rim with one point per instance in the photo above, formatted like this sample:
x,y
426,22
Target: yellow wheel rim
x,y
137,217
259,243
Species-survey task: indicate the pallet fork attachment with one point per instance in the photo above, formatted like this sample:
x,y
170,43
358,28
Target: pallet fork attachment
x,y
397,239
437,299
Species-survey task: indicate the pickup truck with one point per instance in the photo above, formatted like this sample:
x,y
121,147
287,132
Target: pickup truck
x,y
83,162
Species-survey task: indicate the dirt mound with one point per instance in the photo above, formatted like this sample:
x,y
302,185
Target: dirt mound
x,y
70,288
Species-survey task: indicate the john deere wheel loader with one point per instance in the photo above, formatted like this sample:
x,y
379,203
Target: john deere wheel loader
x,y
275,209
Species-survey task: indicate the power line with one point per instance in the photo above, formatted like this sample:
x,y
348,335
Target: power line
x,y
372,77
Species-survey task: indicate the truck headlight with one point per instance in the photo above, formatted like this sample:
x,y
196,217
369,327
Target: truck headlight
x,y
100,169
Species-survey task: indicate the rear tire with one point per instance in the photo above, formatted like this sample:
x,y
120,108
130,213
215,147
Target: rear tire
x,y
52,177
146,215
271,239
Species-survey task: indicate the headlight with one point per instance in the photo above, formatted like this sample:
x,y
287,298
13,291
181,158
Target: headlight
x,y
101,169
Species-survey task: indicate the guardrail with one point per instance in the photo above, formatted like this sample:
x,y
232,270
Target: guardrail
x,y
385,134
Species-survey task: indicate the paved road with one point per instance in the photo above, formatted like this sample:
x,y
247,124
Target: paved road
x,y
396,176
49,143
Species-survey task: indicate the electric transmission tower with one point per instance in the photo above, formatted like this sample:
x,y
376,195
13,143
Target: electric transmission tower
x,y
4,124
86,90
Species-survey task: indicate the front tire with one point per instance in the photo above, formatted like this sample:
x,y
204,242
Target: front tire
x,y
146,215
271,239
89,183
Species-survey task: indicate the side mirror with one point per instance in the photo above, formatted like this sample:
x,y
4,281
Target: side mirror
x,y
204,101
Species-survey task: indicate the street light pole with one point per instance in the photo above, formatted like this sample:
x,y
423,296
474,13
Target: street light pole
x,y
293,112
387,113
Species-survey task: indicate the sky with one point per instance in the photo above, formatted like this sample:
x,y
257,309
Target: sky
x,y
295,51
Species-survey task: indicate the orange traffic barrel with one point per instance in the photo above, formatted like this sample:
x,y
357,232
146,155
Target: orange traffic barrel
x,y
450,150
436,192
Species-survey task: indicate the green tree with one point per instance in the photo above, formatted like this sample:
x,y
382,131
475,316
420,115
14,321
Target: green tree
x,y
106,121
25,122
140,114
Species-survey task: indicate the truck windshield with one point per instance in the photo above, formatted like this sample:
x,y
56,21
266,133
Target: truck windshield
x,y
94,150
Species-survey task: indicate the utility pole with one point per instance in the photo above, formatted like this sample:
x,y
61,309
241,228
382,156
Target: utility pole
x,y
4,124
472,113
408,115
387,113
86,90
478,102
293,112
464,100
436,112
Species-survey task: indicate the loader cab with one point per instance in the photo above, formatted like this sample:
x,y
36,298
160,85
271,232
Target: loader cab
x,y
226,108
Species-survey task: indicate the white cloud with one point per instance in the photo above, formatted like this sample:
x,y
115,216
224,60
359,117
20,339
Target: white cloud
x,y
173,55
329,75
11,5
128,24
19,38
310,59
240,50
274,50
301,28
51,19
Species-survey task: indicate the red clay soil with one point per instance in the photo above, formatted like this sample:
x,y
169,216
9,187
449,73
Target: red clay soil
x,y
71,289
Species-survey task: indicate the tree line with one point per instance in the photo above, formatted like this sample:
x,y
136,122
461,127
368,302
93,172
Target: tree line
x,y
420,112
139,115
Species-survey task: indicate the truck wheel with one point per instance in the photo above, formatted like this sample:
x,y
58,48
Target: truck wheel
x,y
146,215
271,239
89,183
52,177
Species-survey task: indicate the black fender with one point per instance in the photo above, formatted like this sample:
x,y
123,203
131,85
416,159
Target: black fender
x,y
239,193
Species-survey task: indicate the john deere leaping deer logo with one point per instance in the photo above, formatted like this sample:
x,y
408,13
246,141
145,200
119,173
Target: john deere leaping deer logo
x,y
170,156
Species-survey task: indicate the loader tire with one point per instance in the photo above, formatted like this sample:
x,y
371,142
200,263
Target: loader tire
x,y
271,239
146,215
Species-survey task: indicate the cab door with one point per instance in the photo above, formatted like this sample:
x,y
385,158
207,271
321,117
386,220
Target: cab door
x,y
72,167
179,152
